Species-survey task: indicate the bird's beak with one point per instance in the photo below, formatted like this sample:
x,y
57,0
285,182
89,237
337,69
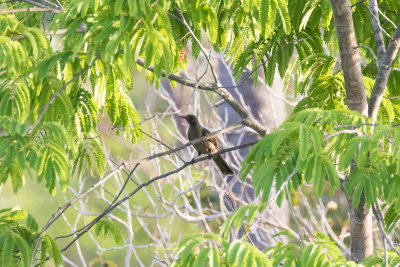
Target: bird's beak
x,y
183,117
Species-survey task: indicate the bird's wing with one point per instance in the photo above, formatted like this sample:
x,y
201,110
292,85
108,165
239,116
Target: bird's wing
x,y
212,140
204,131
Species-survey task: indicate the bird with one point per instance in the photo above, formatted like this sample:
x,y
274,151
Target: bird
x,y
209,146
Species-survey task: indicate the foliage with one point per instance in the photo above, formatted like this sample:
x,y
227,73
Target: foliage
x,y
16,239
376,259
298,144
106,227
216,250
196,251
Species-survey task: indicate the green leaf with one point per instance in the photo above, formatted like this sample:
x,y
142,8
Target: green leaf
x,y
201,258
46,65
31,38
317,140
306,254
214,257
333,178
347,156
7,251
357,192
303,143
55,251
233,252
308,173
282,6
355,178
369,195
285,130
317,176
43,250
252,212
312,258
118,6
241,255
362,154
132,6
23,247
108,226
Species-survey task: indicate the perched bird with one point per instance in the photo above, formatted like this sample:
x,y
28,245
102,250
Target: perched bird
x,y
210,146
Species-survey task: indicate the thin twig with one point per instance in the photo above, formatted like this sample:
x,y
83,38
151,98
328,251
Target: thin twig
x,y
359,2
379,219
244,230
114,200
347,131
63,208
42,4
385,17
159,141
371,51
154,179
196,141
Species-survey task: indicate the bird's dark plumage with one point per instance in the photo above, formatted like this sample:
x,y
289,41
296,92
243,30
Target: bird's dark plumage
x,y
210,146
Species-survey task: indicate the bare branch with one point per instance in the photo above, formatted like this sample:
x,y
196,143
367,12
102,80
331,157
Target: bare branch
x,y
43,4
154,179
62,209
180,79
354,131
385,17
34,9
379,219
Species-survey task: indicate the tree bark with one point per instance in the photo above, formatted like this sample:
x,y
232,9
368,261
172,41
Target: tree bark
x,y
360,230
349,56
360,217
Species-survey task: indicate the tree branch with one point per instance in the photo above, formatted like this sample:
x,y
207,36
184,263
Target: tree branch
x,y
120,167
240,110
375,17
62,209
34,9
196,141
43,4
382,77
152,180
180,79
379,219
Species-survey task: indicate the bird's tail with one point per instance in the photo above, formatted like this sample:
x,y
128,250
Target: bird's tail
x,y
223,166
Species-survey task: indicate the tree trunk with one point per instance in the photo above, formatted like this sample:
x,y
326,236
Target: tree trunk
x,y
349,56
361,216
360,230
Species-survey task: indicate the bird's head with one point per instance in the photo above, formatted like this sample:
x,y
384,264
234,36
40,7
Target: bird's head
x,y
191,119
